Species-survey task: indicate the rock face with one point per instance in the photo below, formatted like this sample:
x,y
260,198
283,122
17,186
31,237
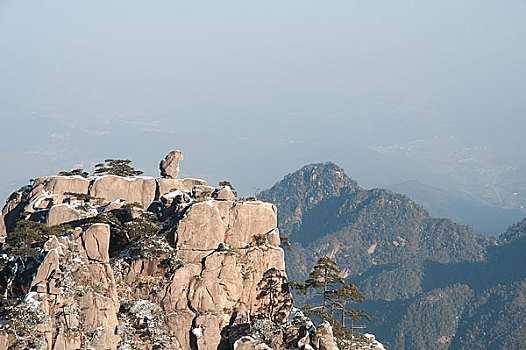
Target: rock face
x,y
132,190
73,299
169,166
96,241
183,185
62,213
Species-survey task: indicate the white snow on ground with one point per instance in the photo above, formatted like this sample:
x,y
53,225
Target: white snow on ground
x,y
127,178
198,332
374,343
30,298
173,194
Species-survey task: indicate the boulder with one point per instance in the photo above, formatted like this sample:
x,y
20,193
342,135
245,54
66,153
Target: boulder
x,y
132,190
201,229
62,213
324,339
50,190
169,166
11,212
96,240
225,194
183,185
202,191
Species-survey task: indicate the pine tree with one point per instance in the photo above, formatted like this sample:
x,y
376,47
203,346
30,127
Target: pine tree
x,y
324,274
341,297
74,172
119,167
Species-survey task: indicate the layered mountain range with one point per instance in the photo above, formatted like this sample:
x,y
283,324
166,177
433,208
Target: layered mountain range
x,y
430,283
137,262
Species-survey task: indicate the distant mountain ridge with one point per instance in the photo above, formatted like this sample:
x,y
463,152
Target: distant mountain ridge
x,y
418,272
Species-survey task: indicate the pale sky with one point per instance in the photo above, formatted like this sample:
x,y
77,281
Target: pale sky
x,y
391,90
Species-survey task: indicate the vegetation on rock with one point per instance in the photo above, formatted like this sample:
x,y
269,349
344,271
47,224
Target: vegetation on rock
x,y
74,172
118,167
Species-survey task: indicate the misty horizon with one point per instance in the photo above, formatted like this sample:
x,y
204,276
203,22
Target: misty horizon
x,y
392,93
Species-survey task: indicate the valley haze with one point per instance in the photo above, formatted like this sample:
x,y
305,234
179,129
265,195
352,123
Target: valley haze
x,y
392,92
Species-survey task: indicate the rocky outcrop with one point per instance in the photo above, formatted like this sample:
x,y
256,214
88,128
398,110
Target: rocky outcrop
x,y
96,241
72,301
182,185
324,339
192,269
225,194
139,190
62,213
47,191
11,211
169,166
177,278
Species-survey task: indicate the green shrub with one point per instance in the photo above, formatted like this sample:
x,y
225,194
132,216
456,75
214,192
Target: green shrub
x,y
79,172
28,237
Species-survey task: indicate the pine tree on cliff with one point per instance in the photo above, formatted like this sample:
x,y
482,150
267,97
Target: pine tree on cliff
x,y
344,295
119,167
324,274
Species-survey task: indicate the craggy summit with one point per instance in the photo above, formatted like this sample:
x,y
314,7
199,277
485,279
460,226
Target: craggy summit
x,y
114,262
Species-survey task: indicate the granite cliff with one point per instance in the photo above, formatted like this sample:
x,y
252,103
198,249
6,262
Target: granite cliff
x,y
113,262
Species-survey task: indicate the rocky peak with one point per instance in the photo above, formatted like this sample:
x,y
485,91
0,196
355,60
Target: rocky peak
x,y
302,190
114,262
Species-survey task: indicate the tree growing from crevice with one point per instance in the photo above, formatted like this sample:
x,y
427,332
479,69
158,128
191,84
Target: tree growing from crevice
x,y
28,237
285,242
